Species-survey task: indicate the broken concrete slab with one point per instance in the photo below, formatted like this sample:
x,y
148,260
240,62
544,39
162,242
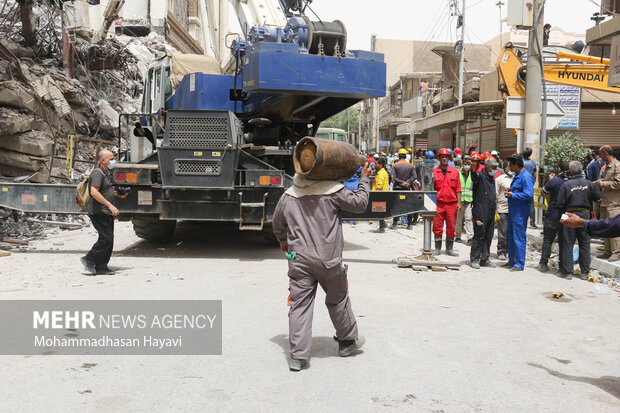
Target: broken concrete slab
x,y
108,117
17,160
36,177
12,122
32,143
14,94
46,88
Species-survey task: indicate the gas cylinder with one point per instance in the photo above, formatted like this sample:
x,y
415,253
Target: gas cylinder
x,y
324,159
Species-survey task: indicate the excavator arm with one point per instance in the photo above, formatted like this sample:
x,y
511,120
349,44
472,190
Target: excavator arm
x,y
591,74
109,15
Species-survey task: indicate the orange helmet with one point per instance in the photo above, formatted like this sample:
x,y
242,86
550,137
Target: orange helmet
x,y
475,157
486,156
443,151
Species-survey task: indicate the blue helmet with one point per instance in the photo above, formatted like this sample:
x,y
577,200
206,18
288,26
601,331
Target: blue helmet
x,y
430,154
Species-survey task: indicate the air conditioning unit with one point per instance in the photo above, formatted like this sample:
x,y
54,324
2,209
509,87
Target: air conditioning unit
x,y
82,18
520,13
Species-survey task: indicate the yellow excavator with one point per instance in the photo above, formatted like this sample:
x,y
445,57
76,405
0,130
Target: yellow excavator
x,y
588,72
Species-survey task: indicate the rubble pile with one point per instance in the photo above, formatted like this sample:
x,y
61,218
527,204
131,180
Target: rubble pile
x,y
16,228
54,118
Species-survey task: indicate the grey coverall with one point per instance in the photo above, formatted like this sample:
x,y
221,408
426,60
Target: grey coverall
x,y
311,225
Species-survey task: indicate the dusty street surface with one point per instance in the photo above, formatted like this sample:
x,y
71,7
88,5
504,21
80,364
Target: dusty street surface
x,y
473,340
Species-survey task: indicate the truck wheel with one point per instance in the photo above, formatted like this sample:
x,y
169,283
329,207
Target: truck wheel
x,y
153,229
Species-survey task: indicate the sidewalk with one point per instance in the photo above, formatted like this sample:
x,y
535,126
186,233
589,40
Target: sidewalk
x,y
609,269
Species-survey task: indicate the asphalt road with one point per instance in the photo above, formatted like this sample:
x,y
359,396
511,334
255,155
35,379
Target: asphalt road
x,y
458,341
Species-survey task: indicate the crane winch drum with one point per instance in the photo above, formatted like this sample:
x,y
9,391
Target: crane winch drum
x,y
323,159
320,38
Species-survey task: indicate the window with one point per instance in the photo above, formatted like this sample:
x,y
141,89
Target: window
x,y
157,83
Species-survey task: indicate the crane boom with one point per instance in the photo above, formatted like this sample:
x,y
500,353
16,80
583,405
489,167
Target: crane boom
x,y
592,74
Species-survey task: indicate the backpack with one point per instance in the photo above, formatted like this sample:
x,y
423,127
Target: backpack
x,y
83,191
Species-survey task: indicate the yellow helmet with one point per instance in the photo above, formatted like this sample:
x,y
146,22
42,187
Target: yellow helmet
x,y
410,150
402,151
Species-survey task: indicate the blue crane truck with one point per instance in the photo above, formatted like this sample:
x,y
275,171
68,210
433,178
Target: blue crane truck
x,y
219,147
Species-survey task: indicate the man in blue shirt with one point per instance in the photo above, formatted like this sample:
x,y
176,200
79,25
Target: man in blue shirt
x,y
530,166
593,172
552,225
519,197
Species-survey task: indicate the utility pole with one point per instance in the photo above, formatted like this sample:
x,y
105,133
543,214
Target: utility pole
x,y
499,4
533,87
372,121
461,73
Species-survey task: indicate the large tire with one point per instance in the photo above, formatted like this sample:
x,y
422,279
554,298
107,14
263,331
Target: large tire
x,y
153,228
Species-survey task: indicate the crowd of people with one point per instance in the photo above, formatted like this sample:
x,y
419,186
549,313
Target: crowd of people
x,y
478,194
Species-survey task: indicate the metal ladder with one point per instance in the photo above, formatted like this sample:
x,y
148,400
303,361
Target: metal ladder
x,y
248,205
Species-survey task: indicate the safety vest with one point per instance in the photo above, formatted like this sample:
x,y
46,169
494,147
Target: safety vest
x,y
467,194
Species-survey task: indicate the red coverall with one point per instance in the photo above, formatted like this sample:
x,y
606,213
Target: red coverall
x,y
448,186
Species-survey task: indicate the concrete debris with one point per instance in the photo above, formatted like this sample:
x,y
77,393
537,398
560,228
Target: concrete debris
x,y
46,88
17,227
21,161
12,122
15,94
108,117
32,142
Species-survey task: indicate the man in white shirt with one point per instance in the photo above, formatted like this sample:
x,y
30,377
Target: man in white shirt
x,y
502,183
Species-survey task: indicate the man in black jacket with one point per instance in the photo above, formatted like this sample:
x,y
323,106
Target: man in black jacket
x,y
405,179
483,212
576,195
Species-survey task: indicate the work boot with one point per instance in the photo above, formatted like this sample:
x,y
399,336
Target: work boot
x,y
437,247
409,226
105,271
348,347
614,258
487,264
583,276
565,275
450,248
89,268
475,265
513,269
604,255
297,364
393,226
378,231
543,267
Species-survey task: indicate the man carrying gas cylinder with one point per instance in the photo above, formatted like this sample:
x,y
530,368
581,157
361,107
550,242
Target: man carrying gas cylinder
x,y
448,187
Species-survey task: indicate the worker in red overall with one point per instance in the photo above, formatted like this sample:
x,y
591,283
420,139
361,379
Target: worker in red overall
x,y
448,187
